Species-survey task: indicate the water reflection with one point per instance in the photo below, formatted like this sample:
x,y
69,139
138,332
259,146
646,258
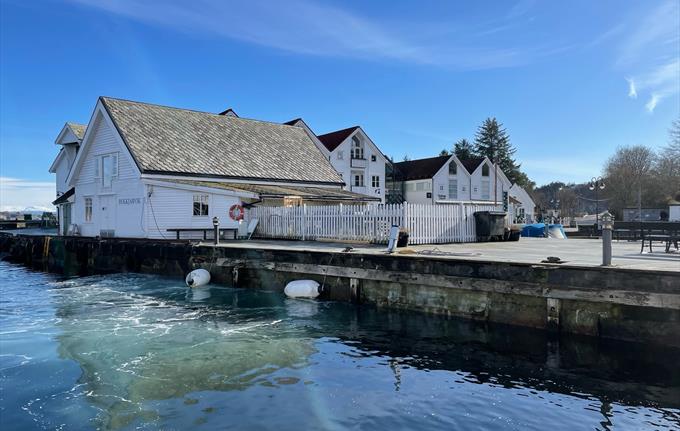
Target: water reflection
x,y
134,346
146,352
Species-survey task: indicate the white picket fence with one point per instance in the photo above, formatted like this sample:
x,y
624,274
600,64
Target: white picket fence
x,y
426,224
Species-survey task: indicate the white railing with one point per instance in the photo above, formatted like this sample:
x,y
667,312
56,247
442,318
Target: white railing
x,y
426,224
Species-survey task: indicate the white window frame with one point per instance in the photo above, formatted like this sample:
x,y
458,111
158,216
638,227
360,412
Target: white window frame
x,y
88,205
357,148
99,169
375,181
453,166
453,187
203,202
358,179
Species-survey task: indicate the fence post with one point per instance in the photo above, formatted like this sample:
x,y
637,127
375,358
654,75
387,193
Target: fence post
x,y
303,224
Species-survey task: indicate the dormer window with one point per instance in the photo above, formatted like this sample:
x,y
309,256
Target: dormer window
x,y
485,170
453,168
357,148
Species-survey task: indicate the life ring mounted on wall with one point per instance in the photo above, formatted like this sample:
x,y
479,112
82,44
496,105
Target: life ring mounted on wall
x,y
236,212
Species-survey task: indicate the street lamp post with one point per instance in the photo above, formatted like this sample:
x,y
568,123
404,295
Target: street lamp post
x,y
597,184
555,201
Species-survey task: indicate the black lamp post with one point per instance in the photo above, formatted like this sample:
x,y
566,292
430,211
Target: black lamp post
x,y
216,228
597,184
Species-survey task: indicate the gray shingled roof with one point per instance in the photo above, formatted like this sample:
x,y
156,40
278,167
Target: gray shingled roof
x,y
180,141
77,129
278,191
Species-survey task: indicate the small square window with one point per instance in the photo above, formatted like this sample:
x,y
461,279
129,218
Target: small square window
x,y
340,155
373,158
200,205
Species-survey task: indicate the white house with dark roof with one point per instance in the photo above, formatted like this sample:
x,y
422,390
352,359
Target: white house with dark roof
x,y
354,156
141,169
447,179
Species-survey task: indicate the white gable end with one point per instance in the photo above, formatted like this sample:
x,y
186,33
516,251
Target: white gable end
x,y
102,138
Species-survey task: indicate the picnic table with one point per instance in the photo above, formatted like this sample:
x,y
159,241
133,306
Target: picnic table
x,y
649,232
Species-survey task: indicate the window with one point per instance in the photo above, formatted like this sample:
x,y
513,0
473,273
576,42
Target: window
x,y
340,155
200,205
357,148
453,189
485,170
358,179
420,187
485,190
375,181
88,209
106,169
453,168
373,158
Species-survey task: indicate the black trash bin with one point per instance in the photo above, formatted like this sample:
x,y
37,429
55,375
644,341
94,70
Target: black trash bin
x,y
402,240
490,225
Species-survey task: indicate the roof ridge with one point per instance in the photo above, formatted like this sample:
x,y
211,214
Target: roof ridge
x,y
212,114
340,130
425,158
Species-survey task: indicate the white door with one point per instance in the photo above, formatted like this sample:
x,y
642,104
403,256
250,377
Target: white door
x,y
108,214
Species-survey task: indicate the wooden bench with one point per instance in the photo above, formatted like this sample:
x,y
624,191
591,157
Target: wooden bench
x,y
660,231
630,230
204,230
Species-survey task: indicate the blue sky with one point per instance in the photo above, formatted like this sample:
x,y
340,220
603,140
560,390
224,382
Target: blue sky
x,y
570,81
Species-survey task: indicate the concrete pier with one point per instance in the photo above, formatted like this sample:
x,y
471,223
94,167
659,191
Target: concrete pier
x,y
611,302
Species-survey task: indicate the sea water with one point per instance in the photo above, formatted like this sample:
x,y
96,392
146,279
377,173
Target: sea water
x,y
128,351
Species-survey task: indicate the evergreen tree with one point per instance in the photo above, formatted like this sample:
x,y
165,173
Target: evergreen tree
x,y
463,149
493,141
444,152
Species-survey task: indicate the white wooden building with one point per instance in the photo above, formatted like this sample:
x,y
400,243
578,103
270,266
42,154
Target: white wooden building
x,y
524,211
141,169
354,156
69,139
447,179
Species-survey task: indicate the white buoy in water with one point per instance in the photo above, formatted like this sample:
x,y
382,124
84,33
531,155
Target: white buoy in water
x,y
198,277
302,289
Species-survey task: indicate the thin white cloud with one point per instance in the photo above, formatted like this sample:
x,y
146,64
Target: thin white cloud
x,y
632,92
653,101
650,50
313,28
16,193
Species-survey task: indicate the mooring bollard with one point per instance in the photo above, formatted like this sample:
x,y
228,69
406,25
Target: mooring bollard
x,y
607,226
216,227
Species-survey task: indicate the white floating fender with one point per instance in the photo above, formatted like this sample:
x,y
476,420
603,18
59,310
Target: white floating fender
x,y
198,277
302,289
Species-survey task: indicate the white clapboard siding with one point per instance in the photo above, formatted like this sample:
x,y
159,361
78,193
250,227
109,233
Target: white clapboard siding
x,y
105,141
426,224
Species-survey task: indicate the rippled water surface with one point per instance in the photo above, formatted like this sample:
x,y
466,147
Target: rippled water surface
x,y
144,352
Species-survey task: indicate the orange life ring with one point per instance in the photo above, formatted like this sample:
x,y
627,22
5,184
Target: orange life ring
x,y
236,212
